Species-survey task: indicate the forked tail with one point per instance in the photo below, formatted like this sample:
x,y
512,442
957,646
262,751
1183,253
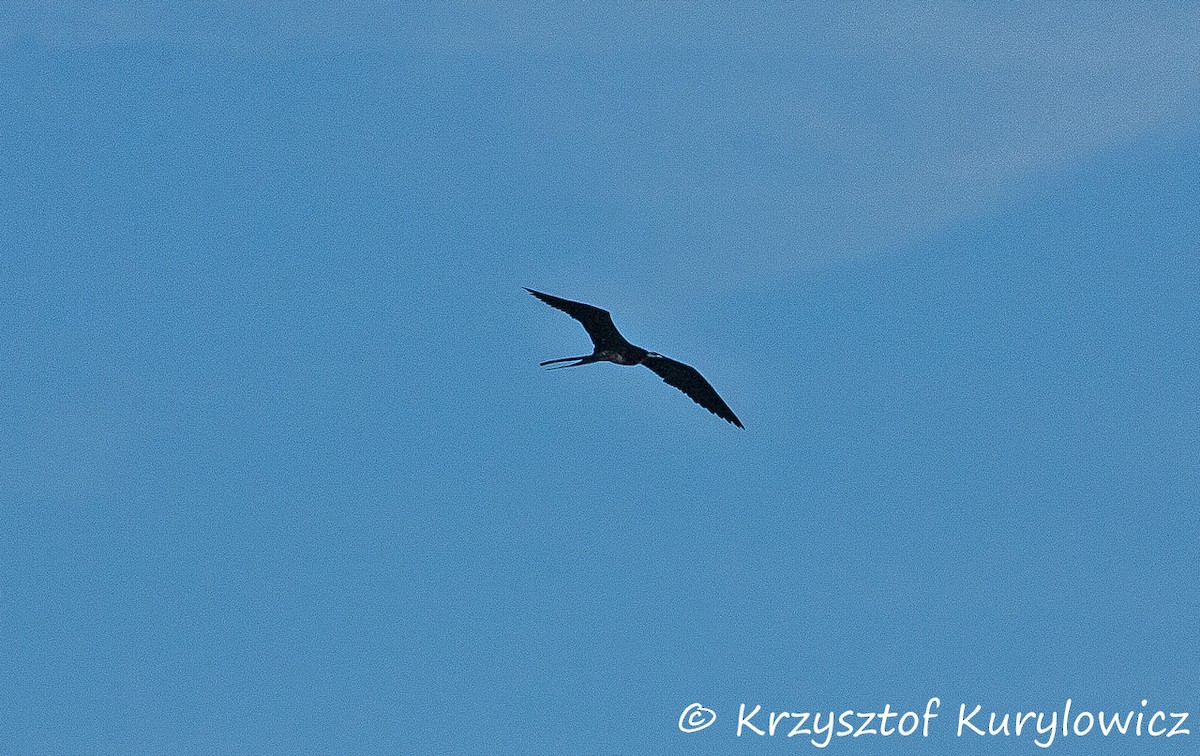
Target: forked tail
x,y
585,359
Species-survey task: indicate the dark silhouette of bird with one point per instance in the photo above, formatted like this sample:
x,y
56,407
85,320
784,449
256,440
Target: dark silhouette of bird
x,y
611,346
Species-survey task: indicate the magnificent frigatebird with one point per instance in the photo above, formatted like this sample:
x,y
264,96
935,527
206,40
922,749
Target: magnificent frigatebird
x,y
611,346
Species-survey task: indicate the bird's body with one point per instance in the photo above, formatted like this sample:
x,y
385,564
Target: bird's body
x,y
611,346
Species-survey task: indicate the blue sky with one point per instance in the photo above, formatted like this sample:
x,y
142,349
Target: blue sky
x,y
280,472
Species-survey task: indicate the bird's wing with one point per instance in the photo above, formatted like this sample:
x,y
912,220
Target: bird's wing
x,y
688,380
597,322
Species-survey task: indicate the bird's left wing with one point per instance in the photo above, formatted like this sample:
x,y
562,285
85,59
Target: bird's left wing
x,y
688,380
597,322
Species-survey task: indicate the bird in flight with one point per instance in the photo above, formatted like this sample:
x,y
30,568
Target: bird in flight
x,y
611,346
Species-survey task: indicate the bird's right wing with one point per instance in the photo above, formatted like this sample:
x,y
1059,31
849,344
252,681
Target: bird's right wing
x,y
688,380
597,322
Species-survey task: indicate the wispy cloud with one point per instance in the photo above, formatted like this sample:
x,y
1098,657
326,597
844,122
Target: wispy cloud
x,y
757,137
787,136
